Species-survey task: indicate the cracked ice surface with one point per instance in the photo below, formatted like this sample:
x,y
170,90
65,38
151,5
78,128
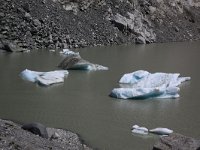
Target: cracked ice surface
x,y
44,78
142,85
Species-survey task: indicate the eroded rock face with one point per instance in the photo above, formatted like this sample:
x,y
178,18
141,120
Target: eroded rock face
x,y
137,24
174,20
177,142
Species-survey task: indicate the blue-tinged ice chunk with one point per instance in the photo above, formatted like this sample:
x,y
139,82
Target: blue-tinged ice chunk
x,y
144,93
136,93
68,52
145,79
44,78
133,77
142,84
154,80
30,75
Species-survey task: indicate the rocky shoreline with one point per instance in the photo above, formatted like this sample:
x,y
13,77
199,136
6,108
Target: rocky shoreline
x,y
12,136
55,24
36,136
177,141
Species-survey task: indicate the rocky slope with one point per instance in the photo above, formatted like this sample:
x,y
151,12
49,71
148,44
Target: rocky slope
x,y
76,23
13,137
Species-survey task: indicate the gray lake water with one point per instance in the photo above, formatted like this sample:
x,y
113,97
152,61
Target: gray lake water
x,y
81,104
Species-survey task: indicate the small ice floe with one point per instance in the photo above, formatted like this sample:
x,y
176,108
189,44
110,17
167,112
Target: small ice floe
x,y
68,52
139,130
52,50
144,131
143,85
161,131
75,62
44,78
27,51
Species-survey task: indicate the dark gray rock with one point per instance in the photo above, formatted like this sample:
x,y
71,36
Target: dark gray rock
x,y
2,14
177,142
28,16
10,47
140,40
36,128
36,22
26,7
176,29
1,45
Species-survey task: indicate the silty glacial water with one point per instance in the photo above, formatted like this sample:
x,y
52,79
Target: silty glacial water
x,y
82,105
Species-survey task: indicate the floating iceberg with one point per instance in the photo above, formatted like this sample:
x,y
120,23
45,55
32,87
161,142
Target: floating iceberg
x,y
68,52
75,62
144,131
142,85
140,130
44,78
161,131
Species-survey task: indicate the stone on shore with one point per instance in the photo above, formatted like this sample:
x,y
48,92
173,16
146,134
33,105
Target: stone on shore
x,y
11,47
177,141
37,129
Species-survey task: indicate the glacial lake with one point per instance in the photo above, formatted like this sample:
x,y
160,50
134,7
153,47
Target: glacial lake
x,y
82,103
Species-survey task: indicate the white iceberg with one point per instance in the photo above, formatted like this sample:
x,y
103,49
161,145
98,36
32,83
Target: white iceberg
x,y
137,131
44,78
161,131
68,52
144,131
145,79
140,130
142,85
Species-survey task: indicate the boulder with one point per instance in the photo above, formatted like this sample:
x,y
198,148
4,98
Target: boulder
x,y
11,47
177,141
140,40
37,129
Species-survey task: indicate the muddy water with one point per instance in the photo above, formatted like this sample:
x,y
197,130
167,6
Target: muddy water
x,y
82,103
